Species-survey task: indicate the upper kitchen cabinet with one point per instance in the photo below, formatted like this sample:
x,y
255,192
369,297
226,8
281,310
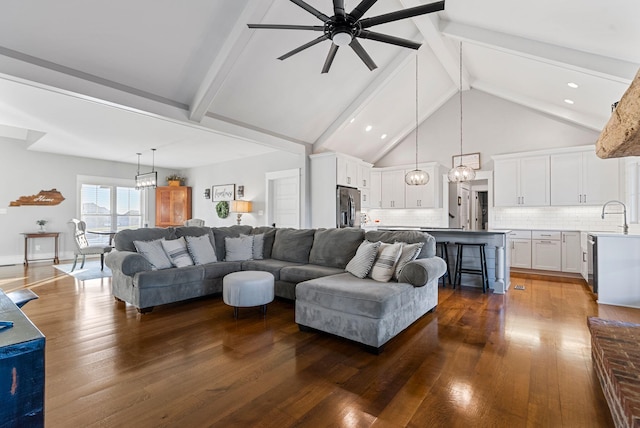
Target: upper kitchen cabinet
x,y
521,181
581,178
347,171
392,189
375,193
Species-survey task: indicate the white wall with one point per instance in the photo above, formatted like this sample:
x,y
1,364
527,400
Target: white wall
x,y
248,172
492,126
27,173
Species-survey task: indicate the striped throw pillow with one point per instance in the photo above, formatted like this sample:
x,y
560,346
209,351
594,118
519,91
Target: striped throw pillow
x,y
361,263
385,264
177,251
409,253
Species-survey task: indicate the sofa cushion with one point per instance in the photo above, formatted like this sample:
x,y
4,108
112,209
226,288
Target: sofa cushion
x,y
201,249
293,245
269,236
408,236
169,278
296,274
348,294
361,263
386,260
220,269
220,233
335,247
123,240
196,231
154,253
177,251
268,265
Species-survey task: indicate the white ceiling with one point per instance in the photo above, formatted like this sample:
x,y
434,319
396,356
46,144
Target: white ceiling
x,y
110,79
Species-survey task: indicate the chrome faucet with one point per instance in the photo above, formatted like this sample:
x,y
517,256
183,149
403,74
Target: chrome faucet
x,y
625,227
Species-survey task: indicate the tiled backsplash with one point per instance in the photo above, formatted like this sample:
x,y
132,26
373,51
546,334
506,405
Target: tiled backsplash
x,y
561,218
558,218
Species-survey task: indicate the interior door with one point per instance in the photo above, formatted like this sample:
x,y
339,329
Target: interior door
x,y
283,199
464,207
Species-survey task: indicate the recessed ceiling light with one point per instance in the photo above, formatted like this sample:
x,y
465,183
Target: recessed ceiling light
x,y
353,119
572,85
568,101
383,136
368,128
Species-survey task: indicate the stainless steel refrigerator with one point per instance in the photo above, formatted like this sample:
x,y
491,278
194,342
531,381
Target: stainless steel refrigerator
x,y
348,207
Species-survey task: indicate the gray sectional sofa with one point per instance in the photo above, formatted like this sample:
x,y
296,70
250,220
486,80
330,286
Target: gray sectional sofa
x,y
308,266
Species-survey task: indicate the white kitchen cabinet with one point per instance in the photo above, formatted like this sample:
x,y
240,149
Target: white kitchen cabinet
x,y
521,181
421,196
346,171
365,199
571,252
584,258
546,250
520,247
375,190
392,189
581,178
364,176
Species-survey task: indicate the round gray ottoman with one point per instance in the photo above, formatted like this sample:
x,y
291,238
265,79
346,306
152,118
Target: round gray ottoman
x,y
247,288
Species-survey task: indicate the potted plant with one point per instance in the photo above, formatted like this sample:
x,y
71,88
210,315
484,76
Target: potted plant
x,y
41,223
175,180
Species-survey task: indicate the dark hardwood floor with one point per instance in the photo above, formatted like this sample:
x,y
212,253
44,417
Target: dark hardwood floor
x,y
514,360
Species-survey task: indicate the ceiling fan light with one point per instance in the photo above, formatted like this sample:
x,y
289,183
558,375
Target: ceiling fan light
x,y
416,177
461,173
342,38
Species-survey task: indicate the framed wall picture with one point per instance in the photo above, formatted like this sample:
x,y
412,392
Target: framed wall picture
x,y
224,192
469,159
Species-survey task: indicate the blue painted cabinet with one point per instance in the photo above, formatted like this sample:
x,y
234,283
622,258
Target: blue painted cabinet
x,y
21,369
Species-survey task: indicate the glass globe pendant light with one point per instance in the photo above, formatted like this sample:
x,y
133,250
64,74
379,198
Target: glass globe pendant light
x,y
417,177
461,172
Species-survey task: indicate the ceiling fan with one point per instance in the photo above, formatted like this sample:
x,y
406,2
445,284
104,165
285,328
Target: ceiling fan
x,y
345,28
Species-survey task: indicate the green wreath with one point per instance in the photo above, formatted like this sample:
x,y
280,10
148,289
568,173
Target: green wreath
x,y
222,208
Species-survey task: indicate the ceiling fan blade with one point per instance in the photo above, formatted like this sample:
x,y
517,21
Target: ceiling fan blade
x,y
385,38
287,27
364,56
362,8
338,8
402,14
332,54
303,47
315,12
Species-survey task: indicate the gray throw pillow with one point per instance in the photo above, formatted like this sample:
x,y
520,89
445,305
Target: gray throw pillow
x,y
239,249
385,264
201,250
154,253
409,253
361,263
177,251
258,246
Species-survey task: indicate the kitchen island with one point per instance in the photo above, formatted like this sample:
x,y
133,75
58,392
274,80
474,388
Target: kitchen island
x,y
496,240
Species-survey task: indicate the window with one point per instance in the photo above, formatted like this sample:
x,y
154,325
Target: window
x,y
110,206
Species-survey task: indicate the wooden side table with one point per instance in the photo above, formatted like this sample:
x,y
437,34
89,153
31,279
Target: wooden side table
x,y
35,235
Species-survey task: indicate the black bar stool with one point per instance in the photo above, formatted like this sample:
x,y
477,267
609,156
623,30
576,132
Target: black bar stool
x,y
460,269
443,253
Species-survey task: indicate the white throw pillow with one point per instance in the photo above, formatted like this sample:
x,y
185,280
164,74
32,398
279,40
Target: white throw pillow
x,y
201,250
361,263
385,264
177,251
154,253
239,249
409,253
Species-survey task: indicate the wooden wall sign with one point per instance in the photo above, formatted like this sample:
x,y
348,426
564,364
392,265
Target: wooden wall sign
x,y
44,197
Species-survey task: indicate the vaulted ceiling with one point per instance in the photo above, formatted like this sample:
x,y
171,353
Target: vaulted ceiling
x,y
110,79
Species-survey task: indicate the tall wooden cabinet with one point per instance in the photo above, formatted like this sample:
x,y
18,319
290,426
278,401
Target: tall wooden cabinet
x,y
173,205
